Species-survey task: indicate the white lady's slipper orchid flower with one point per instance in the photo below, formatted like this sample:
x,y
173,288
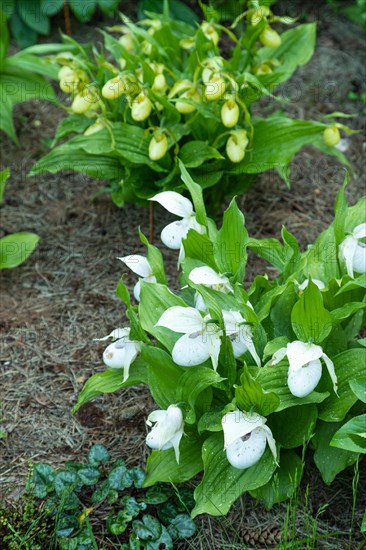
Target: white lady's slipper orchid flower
x,y
141,107
139,265
114,88
245,438
236,145
210,32
201,337
167,430
173,233
158,145
230,113
352,251
305,368
270,38
215,87
316,282
207,276
331,136
240,335
122,352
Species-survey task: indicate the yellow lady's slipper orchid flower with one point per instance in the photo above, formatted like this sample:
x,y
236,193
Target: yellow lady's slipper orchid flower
x,y
141,107
270,38
331,135
230,113
158,145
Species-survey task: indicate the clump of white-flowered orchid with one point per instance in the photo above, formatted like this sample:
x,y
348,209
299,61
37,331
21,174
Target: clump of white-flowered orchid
x,y
352,251
305,368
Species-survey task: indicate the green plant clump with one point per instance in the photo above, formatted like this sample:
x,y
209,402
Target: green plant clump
x,y
162,89
59,504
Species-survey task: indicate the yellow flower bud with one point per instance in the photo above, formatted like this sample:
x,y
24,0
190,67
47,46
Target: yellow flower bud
x,y
84,101
270,38
64,72
94,128
210,32
236,145
158,146
126,40
331,135
114,88
141,107
159,85
215,88
263,69
186,108
230,113
71,80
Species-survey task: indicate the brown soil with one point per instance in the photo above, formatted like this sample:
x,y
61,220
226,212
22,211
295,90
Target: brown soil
x,y
64,295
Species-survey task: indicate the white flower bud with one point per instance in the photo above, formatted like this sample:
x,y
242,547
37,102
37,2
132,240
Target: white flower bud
x,y
331,135
158,146
270,38
230,113
236,145
141,107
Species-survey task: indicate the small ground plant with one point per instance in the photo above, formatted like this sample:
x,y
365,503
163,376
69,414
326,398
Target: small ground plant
x,y
59,504
162,89
244,378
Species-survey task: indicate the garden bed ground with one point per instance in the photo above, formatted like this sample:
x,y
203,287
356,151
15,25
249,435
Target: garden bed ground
x,y
64,296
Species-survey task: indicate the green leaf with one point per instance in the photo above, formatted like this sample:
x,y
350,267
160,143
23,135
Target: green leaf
x,y
274,379
352,435
51,8
340,314
310,321
111,380
199,247
349,365
88,475
23,34
250,394
359,388
42,480
31,14
231,242
16,248
155,259
269,249
4,41
117,524
196,194
222,484
194,153
294,427
184,525
162,466
284,481
82,10
163,376
65,483
191,384
120,478
340,212
158,494
4,176
358,282
330,460
98,454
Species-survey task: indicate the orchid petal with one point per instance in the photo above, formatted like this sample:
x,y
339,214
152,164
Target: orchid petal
x,y
300,353
246,451
155,416
191,350
199,303
173,234
302,381
175,440
193,224
131,352
330,366
347,250
236,424
205,275
359,232
137,287
232,321
316,282
278,356
359,258
114,355
181,256
174,203
182,319
138,264
116,334
214,343
271,442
